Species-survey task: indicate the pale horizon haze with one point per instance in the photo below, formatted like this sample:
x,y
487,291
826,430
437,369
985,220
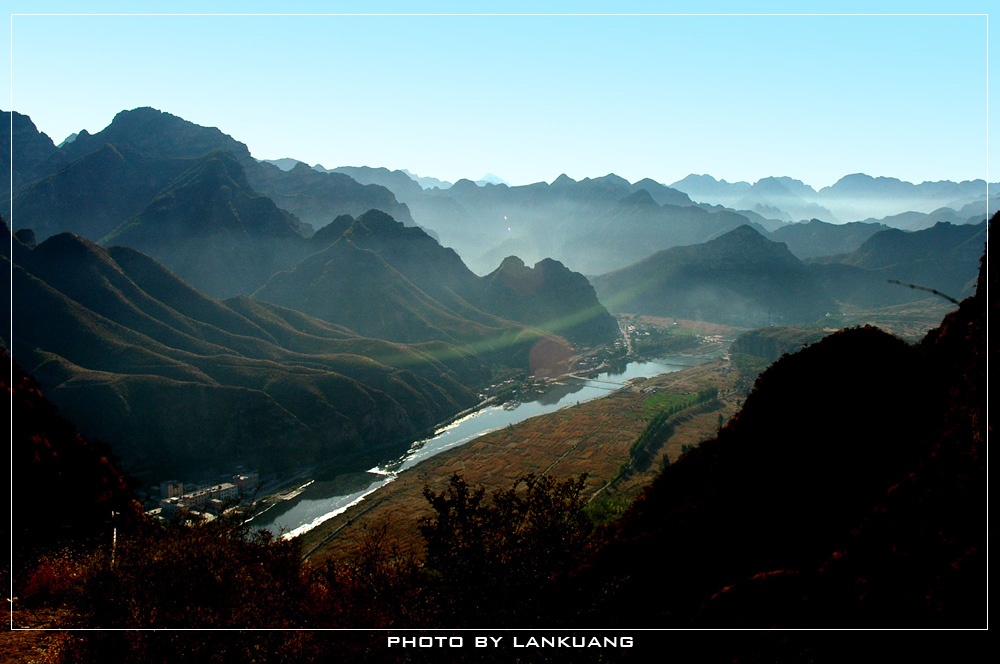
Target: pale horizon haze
x,y
527,97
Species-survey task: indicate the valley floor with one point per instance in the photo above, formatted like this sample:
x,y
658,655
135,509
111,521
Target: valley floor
x,y
592,438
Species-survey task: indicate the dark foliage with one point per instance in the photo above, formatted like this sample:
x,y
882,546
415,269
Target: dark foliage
x,y
377,587
217,575
490,561
848,492
66,488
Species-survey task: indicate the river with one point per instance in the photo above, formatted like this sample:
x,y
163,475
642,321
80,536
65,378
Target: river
x,y
322,500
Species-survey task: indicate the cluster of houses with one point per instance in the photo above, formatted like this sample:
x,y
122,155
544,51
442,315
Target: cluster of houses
x,y
206,500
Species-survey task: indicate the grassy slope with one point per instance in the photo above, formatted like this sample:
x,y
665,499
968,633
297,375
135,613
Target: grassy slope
x,y
202,381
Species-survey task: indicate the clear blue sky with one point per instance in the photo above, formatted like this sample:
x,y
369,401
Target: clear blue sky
x,y
530,97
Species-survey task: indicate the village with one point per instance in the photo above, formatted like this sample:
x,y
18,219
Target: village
x,y
202,502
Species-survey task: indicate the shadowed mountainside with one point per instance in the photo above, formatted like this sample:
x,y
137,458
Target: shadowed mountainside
x,y
314,198
818,238
65,486
32,147
744,279
177,381
848,492
209,226
943,257
395,282
740,278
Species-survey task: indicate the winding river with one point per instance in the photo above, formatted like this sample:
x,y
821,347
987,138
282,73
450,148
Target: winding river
x,y
318,501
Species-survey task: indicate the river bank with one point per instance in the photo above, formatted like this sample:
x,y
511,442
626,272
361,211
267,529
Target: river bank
x,y
592,437
326,499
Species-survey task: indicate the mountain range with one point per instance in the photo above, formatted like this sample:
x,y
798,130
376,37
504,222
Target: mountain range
x,y
177,381
740,278
314,198
854,197
394,282
744,279
125,236
97,182
602,224
197,309
191,197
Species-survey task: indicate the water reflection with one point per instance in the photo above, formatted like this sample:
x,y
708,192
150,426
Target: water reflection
x,y
326,498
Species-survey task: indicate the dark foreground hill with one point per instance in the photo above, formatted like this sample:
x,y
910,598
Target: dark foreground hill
x,y
65,487
848,492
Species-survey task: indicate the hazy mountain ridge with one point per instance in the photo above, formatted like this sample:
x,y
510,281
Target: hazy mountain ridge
x,y
783,198
637,225
214,230
739,278
819,238
566,220
314,197
317,198
396,282
745,279
942,258
404,187
852,198
970,213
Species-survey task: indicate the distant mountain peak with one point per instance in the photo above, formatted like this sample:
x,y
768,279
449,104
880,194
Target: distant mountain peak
x,y
706,179
158,133
463,185
782,186
743,232
745,240
426,182
641,198
377,220
611,178
285,163
490,178
511,264
145,118
69,139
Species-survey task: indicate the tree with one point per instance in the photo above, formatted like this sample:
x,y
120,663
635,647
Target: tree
x,y
491,561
